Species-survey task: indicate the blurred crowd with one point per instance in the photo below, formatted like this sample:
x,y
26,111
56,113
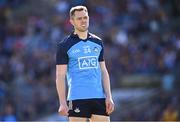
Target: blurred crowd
x,y
140,37
159,107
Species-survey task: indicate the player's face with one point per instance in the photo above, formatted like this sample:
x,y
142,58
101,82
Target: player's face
x,y
80,21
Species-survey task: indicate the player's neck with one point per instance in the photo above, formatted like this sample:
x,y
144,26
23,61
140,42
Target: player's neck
x,y
82,35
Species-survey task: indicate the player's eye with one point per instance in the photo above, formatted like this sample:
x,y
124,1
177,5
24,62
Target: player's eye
x,y
80,18
85,17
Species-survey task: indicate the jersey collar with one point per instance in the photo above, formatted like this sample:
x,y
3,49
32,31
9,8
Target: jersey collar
x,y
76,36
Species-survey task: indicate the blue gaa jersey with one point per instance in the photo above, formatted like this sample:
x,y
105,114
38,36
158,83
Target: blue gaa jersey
x,y
83,72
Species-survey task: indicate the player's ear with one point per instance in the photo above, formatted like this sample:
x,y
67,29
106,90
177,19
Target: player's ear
x,y
71,21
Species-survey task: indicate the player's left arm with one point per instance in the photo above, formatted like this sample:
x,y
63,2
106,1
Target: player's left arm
x,y
107,88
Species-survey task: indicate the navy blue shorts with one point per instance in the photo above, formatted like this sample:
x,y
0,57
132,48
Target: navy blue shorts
x,y
87,107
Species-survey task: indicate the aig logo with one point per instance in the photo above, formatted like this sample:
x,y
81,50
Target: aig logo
x,y
88,62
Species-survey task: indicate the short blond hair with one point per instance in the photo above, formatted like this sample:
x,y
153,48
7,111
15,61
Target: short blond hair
x,y
77,8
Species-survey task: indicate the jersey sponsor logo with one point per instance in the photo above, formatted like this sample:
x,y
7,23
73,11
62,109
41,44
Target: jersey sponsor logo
x,y
88,62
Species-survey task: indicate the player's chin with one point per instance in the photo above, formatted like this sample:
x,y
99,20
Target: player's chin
x,y
83,29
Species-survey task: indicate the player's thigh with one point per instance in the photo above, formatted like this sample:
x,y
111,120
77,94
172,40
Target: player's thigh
x,y
77,119
99,118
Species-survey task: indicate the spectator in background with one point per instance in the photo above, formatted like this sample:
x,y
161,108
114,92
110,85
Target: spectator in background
x,y
168,81
9,115
170,113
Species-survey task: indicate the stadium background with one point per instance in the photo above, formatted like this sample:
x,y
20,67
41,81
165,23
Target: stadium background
x,y
142,52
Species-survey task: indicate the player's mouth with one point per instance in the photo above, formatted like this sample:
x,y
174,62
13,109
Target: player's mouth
x,y
83,25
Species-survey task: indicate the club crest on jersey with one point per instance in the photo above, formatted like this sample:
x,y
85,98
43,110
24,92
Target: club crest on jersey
x,y
88,62
95,49
77,110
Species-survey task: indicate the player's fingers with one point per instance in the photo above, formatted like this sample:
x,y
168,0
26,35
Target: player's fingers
x,y
63,111
111,108
107,107
66,112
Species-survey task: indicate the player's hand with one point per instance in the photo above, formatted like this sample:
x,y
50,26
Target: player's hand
x,y
109,105
63,110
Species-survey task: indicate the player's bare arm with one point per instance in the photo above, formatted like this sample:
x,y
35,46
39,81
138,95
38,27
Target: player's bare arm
x,y
61,88
107,88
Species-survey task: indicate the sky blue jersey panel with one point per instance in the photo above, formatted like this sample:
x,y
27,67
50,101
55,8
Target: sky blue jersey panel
x,y
84,75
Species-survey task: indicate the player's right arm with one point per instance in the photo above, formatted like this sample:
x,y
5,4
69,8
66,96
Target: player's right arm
x,y
61,69
61,88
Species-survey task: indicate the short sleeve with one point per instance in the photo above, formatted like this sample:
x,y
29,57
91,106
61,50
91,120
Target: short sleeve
x,y
61,54
101,56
